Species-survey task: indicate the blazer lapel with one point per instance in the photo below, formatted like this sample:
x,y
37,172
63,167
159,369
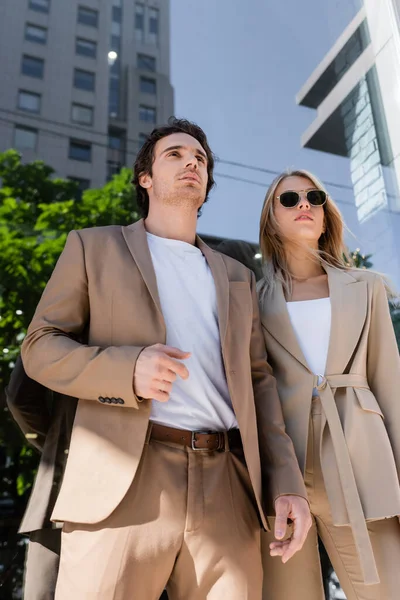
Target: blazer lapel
x,y
276,320
136,240
349,309
221,280
346,323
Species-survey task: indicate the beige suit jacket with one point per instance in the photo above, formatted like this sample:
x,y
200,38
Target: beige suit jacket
x,y
360,394
104,284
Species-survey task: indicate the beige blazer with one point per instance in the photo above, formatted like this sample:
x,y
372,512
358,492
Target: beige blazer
x,y
104,284
360,394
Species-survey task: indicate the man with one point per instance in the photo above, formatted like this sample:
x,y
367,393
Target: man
x,y
163,479
46,421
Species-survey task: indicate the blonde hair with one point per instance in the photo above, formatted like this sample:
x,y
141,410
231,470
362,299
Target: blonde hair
x,y
331,248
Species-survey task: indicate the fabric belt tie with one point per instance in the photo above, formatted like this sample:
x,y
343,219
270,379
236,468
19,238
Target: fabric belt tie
x,y
327,388
197,440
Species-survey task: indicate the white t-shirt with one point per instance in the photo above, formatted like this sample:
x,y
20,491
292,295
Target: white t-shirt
x,y
189,305
311,321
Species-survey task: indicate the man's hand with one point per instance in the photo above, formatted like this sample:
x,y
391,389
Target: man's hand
x,y
295,508
156,370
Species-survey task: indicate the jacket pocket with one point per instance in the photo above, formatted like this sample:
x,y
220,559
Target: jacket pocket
x,y
367,401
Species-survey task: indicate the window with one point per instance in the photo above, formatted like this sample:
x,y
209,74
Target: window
x,y
116,28
117,14
33,33
147,114
82,114
139,22
40,5
153,25
113,168
29,101
25,138
115,67
83,184
84,80
116,43
34,67
115,142
146,63
113,100
148,86
87,16
80,150
142,138
86,48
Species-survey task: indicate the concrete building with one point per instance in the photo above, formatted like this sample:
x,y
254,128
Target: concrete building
x,y
83,82
355,91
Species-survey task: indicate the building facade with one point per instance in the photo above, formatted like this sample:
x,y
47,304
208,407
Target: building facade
x,y
355,91
83,82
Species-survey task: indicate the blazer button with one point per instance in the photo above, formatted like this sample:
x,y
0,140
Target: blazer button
x,y
101,399
120,401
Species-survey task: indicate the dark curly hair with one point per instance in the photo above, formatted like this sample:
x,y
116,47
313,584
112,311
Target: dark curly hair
x,y
145,157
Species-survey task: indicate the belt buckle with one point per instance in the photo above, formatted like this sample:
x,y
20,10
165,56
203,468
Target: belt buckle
x,y
221,440
321,386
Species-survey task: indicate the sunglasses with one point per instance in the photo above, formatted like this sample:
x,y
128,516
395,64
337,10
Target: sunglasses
x,y
291,199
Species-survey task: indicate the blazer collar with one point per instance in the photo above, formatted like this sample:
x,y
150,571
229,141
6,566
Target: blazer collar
x,y
221,281
349,308
136,240
349,311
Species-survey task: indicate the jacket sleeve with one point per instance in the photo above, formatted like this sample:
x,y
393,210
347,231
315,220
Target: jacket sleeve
x,y
383,365
50,352
280,469
27,401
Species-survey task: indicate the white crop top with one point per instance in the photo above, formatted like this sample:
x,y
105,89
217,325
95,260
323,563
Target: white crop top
x,y
311,321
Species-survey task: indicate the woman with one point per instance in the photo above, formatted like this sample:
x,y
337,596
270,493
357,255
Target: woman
x,y
330,341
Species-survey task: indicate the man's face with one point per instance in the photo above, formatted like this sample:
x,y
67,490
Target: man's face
x,y
179,173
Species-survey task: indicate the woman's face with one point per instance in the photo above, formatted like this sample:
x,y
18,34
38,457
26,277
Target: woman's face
x,y
304,223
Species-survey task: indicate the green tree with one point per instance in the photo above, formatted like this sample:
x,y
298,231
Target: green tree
x,y
361,261
37,210
395,312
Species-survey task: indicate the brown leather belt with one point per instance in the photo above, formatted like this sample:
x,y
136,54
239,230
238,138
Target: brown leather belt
x,y
197,440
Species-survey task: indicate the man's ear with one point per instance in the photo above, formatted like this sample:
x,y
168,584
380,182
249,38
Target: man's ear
x,y
145,180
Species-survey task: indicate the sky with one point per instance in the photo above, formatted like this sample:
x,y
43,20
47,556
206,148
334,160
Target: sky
x,y
236,67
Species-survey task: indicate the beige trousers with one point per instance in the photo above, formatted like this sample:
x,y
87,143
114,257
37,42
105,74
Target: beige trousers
x,y
188,523
300,578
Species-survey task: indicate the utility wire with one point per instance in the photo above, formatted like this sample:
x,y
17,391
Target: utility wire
x,y
52,133
90,130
